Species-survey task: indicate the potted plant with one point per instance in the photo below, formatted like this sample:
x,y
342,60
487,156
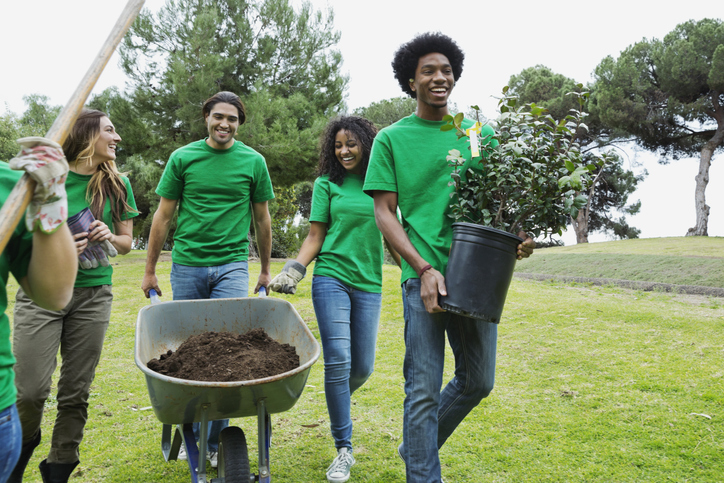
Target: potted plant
x,y
528,178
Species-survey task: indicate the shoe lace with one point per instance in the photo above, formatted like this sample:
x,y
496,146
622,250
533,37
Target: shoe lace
x,y
342,463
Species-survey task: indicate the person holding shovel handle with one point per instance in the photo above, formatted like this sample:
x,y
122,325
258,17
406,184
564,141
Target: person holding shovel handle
x,y
102,203
40,255
347,283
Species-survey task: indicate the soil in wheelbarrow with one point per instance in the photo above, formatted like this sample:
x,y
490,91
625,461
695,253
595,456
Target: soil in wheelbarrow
x,y
224,357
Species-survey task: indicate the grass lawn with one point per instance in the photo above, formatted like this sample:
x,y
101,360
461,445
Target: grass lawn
x,y
594,384
679,261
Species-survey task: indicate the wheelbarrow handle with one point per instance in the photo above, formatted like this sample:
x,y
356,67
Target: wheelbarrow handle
x,y
153,295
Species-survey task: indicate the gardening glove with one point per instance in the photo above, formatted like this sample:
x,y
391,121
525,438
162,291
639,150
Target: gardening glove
x,y
286,282
44,162
95,253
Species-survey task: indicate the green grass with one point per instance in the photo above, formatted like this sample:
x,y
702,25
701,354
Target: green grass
x,y
678,261
594,384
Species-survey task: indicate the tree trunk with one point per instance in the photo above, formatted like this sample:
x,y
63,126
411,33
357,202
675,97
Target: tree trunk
x,y
580,225
702,179
580,222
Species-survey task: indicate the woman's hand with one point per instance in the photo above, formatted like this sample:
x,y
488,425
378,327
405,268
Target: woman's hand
x,y
99,231
81,242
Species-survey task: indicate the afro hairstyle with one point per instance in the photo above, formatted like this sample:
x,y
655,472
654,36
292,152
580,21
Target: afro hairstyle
x,y
404,63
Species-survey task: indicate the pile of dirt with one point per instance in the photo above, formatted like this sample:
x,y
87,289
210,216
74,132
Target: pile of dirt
x,y
225,357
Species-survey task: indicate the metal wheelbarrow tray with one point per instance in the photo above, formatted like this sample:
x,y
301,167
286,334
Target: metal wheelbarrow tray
x,y
165,326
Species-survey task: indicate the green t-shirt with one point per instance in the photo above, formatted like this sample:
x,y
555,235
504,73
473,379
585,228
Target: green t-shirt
x,y
409,158
214,189
76,186
352,250
15,258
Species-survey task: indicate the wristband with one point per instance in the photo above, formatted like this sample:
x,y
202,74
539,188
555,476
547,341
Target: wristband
x,y
423,270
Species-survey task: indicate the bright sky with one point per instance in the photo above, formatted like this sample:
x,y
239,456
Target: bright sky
x,y
50,52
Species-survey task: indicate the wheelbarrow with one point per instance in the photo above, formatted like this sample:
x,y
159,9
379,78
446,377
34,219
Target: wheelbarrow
x,y
165,326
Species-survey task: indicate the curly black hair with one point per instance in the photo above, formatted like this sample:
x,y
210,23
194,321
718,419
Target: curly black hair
x,y
362,130
404,63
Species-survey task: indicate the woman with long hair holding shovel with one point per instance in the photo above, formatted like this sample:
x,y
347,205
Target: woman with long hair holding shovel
x,y
347,284
102,206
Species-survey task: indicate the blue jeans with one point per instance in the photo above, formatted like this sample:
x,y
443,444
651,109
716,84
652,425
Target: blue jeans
x,y
431,416
348,321
220,282
11,440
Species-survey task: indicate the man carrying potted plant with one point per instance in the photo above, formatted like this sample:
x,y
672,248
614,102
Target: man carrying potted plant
x,y
408,169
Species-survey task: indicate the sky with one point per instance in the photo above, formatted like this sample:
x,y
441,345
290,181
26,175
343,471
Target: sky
x,y
50,52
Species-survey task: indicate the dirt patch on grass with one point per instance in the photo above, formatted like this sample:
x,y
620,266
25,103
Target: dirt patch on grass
x,y
226,357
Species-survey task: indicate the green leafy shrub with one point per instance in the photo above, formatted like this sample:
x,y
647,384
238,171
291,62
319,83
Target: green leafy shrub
x,y
531,179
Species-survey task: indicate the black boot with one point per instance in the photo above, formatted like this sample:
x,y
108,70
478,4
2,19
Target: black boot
x,y
25,453
56,472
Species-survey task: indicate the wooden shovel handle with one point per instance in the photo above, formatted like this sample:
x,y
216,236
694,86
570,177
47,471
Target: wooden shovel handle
x,y
14,207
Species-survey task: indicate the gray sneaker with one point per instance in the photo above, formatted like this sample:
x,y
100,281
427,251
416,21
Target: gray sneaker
x,y
338,471
182,456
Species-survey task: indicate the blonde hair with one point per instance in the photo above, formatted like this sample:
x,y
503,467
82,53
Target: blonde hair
x,y
106,183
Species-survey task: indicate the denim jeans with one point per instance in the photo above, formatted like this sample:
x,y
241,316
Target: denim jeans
x,y
431,416
348,321
220,282
11,440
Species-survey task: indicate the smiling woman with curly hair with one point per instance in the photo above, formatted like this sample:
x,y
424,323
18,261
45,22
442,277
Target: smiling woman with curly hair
x,y
347,283
362,130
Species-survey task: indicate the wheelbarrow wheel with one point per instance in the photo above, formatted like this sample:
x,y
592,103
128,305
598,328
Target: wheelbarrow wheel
x,y
233,456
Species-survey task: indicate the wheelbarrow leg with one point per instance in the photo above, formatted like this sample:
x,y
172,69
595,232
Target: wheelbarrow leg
x,y
196,454
264,430
199,452
169,447
192,453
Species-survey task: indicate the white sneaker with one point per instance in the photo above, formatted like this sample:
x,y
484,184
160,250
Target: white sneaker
x,y
338,471
211,456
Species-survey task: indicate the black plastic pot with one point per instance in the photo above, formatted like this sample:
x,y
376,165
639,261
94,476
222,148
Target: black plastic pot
x,y
479,271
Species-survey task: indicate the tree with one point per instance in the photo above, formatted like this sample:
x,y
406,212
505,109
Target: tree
x,y
282,62
607,194
388,111
9,133
35,121
670,95
610,185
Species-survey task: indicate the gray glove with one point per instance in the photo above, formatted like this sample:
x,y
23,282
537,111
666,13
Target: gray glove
x,y
286,282
96,253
